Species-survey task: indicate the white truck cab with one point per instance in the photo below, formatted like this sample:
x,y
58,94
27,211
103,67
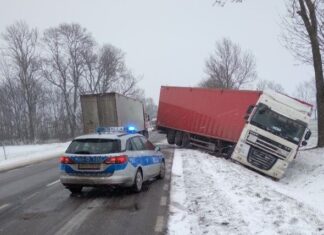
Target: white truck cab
x,y
275,129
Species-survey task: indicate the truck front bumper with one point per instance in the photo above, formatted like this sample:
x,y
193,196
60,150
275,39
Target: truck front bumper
x,y
276,171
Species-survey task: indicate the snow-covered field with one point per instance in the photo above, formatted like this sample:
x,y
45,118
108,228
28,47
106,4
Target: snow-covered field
x,y
211,195
25,154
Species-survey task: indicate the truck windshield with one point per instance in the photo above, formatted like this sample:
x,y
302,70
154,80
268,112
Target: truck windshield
x,y
94,146
278,124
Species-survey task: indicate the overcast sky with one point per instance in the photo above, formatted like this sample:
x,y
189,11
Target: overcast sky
x,y
168,41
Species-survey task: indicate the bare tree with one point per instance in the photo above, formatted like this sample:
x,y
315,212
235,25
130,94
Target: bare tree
x,y
229,67
304,37
65,64
150,107
108,72
272,85
22,57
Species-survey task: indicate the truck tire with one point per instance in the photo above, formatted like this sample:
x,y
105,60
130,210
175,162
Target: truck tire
x,y
178,138
185,140
171,136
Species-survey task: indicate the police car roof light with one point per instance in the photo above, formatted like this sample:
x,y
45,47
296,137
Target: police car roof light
x,y
102,129
131,128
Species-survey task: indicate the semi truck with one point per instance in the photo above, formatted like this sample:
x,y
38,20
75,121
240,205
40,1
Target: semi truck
x,y
112,109
262,130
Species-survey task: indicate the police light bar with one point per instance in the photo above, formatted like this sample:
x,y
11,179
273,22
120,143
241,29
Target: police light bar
x,y
131,129
110,129
117,129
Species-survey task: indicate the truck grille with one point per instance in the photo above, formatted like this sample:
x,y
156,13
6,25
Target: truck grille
x,y
268,144
261,159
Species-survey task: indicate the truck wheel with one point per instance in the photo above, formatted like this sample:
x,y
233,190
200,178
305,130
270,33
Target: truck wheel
x,y
229,153
185,140
178,138
171,136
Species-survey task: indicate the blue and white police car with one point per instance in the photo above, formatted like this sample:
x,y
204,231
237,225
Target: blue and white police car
x,y
110,157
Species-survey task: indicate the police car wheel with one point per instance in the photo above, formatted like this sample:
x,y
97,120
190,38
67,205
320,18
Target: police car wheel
x,y
74,189
162,171
138,181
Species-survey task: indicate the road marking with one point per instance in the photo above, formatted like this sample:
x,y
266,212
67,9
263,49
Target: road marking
x,y
159,224
166,187
163,201
77,220
31,196
4,206
50,184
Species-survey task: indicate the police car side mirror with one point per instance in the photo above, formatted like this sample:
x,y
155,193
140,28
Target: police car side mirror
x,y
157,149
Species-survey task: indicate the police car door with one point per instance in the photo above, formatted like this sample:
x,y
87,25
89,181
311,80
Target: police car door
x,y
152,155
141,156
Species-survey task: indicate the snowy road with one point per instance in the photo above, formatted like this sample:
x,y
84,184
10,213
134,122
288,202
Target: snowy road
x,y
210,195
32,201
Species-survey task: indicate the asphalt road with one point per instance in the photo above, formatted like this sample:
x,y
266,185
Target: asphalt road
x,y
32,201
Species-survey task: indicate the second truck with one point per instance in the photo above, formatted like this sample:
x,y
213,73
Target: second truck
x,y
112,109
262,130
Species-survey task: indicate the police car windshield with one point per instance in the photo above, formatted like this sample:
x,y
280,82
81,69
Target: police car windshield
x,y
94,146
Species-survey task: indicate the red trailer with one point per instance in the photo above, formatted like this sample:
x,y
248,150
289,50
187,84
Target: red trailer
x,y
208,118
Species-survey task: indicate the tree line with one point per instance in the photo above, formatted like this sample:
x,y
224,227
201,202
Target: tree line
x,y
43,74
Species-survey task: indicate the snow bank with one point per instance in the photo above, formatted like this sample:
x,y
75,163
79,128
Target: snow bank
x,y
210,195
26,154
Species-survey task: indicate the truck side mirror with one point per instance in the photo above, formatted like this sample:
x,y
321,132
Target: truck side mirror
x,y
308,135
250,109
248,112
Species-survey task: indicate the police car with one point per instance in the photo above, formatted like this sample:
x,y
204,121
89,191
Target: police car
x,y
110,157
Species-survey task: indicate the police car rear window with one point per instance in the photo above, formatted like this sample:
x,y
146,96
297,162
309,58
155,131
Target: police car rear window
x,y
94,146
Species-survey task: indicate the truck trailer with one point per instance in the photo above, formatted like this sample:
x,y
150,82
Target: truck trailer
x,y
112,109
262,130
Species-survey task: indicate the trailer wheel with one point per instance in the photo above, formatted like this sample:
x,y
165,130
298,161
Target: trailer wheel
x,y
171,136
178,138
185,140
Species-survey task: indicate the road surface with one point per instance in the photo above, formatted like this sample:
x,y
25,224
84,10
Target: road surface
x,y
32,201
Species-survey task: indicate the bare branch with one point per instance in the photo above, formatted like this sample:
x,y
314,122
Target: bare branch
x,y
229,67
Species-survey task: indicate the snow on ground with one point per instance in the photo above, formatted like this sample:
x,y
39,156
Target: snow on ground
x,y
21,155
212,195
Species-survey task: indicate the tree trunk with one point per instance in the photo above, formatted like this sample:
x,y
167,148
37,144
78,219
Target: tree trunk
x,y
310,21
319,79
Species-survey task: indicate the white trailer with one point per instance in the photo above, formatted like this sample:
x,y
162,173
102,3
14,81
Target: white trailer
x,y
112,109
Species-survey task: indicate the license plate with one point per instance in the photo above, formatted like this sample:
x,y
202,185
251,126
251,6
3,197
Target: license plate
x,y
88,166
